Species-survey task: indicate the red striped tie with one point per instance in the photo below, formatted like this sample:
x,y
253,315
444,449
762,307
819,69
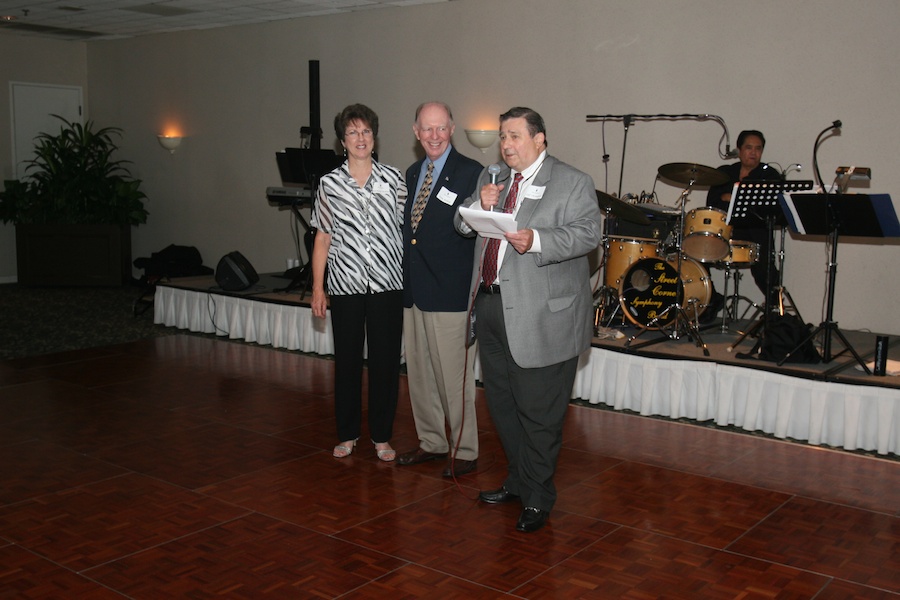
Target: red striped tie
x,y
489,266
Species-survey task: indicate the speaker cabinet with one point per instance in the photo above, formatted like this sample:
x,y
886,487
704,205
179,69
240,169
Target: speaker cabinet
x,y
235,273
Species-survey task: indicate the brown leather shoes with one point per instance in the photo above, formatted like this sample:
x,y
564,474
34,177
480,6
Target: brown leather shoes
x,y
418,456
460,467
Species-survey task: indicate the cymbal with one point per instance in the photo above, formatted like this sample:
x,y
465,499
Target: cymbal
x,y
623,210
687,172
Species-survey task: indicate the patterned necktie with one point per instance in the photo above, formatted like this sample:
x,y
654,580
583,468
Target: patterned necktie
x,y
489,266
422,198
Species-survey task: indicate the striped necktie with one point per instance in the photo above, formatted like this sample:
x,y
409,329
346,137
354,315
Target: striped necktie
x,y
489,266
422,198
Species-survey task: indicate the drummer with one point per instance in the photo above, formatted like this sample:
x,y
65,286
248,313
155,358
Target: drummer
x,y
751,144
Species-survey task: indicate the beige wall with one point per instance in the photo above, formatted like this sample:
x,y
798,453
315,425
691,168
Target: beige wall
x,y
32,60
788,68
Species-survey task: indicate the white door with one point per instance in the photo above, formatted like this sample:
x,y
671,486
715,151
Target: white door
x,y
32,106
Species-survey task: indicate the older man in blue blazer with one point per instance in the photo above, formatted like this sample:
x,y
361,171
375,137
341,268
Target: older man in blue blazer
x,y
436,268
532,306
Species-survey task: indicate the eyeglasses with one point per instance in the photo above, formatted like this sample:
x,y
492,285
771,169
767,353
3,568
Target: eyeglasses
x,y
355,133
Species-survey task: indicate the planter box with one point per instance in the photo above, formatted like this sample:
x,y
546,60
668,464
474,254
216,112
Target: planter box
x,y
98,255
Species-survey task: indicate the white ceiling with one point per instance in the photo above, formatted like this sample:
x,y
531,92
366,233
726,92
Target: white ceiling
x,y
110,19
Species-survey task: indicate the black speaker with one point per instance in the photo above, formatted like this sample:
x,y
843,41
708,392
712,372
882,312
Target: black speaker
x,y
235,273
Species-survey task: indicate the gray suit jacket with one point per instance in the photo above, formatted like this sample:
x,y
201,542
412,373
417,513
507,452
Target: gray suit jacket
x,y
547,296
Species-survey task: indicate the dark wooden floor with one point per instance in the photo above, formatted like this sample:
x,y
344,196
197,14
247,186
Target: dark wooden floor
x,y
188,467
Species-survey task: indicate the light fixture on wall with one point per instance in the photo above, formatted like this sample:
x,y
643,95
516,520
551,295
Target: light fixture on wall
x,y
169,142
481,138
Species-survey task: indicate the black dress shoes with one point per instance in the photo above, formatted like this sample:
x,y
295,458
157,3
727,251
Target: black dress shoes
x,y
418,456
460,467
498,496
531,519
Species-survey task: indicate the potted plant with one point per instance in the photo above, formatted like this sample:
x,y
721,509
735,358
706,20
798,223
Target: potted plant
x,y
74,210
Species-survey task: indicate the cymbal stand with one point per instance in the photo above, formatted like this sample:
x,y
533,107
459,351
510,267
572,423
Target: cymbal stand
x,y
682,324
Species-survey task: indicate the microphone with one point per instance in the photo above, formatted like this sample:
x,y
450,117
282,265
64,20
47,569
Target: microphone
x,y
494,172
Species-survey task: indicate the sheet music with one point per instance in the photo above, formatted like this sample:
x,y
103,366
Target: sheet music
x,y
489,224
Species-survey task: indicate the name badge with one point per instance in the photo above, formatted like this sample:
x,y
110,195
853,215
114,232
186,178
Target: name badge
x,y
381,187
446,196
535,191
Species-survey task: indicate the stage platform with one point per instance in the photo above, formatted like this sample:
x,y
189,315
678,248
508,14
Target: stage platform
x,y
834,404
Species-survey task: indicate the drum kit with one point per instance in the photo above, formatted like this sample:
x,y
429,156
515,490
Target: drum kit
x,y
660,281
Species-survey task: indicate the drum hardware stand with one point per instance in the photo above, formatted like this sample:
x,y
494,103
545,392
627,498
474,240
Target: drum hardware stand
x,y
733,302
760,199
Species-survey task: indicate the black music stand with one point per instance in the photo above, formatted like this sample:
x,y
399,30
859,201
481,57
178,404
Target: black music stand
x,y
754,203
860,215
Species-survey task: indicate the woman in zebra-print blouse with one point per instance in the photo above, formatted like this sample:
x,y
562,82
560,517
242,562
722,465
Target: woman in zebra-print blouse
x,y
358,215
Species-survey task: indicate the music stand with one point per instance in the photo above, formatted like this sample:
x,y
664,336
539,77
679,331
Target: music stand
x,y
860,215
756,202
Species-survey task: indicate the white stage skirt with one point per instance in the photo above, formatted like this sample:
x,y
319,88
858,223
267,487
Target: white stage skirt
x,y
853,417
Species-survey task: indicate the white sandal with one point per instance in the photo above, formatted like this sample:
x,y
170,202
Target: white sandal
x,y
387,454
344,449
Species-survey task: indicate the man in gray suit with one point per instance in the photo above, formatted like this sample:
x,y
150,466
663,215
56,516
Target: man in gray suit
x,y
532,305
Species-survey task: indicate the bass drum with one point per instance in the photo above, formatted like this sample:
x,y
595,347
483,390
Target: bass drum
x,y
652,285
622,252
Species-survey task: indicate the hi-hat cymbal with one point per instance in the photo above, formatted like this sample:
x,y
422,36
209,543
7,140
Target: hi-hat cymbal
x,y
686,173
623,210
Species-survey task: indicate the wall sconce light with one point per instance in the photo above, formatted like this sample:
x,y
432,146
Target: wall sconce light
x,y
169,142
481,138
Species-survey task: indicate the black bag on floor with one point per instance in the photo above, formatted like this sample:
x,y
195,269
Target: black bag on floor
x,y
173,261
784,334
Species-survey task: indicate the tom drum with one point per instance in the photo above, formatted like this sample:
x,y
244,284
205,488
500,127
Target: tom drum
x,y
742,254
706,235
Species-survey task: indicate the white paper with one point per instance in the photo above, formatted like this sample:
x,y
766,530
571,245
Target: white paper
x,y
488,224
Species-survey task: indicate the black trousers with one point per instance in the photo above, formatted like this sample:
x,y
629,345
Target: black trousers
x,y
375,320
527,406
765,266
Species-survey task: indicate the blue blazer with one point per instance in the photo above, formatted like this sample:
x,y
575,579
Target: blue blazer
x,y
437,261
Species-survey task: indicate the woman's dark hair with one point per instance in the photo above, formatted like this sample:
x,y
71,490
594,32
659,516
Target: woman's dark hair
x,y
747,133
355,112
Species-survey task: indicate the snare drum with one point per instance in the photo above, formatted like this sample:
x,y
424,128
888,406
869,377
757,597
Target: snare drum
x,y
706,235
622,251
743,254
651,285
